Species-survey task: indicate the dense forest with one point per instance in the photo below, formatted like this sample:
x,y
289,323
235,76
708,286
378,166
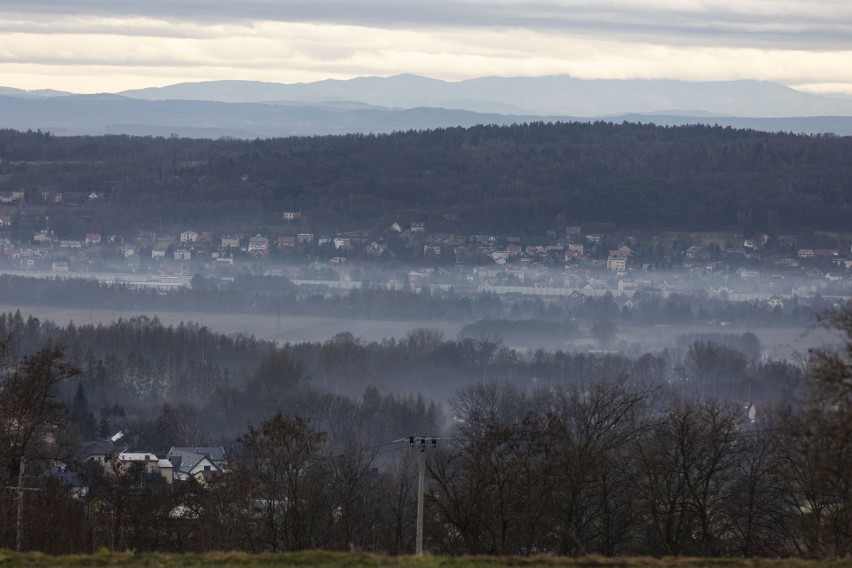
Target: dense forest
x,y
550,452
523,179
139,365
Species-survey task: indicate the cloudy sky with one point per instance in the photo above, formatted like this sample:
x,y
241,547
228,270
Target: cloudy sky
x,y
111,45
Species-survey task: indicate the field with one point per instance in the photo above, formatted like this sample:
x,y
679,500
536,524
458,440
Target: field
x,y
357,560
778,342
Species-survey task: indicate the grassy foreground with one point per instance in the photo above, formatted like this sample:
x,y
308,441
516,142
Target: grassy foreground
x,y
315,559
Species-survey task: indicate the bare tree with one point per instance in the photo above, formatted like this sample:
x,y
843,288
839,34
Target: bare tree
x,y
287,483
29,408
589,429
398,492
817,449
489,490
685,479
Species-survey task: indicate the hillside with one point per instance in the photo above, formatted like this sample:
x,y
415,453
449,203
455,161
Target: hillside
x,y
525,179
70,115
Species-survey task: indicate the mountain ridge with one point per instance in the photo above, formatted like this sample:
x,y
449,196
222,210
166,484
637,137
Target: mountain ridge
x,y
546,95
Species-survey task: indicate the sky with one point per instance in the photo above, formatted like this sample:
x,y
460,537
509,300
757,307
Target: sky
x,y
89,46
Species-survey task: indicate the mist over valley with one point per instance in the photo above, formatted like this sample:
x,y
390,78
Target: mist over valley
x,y
244,330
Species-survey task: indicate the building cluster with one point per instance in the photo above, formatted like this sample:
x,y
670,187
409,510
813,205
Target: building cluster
x,y
557,263
111,457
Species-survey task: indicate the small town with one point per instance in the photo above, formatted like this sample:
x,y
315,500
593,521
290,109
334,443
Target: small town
x,y
412,257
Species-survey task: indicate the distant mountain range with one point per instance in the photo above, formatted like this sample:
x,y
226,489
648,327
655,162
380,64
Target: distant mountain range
x,y
248,109
553,95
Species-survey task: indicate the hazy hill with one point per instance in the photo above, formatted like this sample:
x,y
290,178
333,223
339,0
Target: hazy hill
x,y
114,114
552,95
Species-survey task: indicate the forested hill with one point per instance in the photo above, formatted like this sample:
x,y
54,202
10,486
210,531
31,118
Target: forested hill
x,y
520,179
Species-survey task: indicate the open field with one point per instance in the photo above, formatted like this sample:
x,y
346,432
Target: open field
x,y
778,342
356,560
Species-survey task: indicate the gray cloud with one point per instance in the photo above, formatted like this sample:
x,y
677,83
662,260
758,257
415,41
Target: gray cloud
x,y
90,45
804,25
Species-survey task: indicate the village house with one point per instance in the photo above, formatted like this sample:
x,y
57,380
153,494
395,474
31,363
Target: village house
x,y
826,253
500,257
96,451
5,220
93,238
575,250
45,236
188,236
616,263
182,254
147,461
11,197
696,253
304,238
258,245
289,216
417,227
375,249
231,241
197,462
431,251
286,241
159,248
342,243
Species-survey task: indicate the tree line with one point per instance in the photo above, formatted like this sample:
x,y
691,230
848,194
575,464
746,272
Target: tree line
x,y
132,369
523,179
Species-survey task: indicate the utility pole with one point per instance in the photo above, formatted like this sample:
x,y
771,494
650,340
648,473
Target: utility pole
x,y
421,482
19,534
20,489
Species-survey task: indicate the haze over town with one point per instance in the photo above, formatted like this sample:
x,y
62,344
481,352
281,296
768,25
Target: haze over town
x,y
554,278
